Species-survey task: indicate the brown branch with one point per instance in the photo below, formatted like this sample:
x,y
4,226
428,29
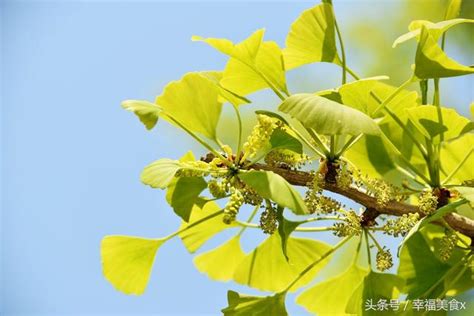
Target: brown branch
x,y
460,223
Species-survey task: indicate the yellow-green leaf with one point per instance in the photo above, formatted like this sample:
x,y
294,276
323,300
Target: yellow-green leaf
x,y
274,187
245,305
127,261
435,29
245,51
312,38
432,62
220,263
194,102
453,153
210,223
331,296
267,269
244,78
225,94
426,119
147,112
326,116
160,173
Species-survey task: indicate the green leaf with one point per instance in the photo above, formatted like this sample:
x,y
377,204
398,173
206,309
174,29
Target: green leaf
x,y
245,51
436,29
285,228
375,286
328,117
267,269
467,193
331,296
160,173
272,186
281,139
432,62
245,78
220,263
419,267
225,94
184,193
425,118
147,112
244,305
453,153
127,261
194,102
196,235
312,38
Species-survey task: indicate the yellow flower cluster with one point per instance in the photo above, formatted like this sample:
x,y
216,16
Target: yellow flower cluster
x,y
285,158
427,202
350,226
232,207
402,225
218,189
268,220
447,245
384,260
259,136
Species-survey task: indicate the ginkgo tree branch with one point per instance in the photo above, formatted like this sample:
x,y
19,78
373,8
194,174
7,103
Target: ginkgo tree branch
x,y
458,222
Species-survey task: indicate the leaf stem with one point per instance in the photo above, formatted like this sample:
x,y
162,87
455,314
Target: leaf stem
x,y
319,142
375,241
252,215
349,144
312,265
392,96
239,143
194,224
369,257
343,53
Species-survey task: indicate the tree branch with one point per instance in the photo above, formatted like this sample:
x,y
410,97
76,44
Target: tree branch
x,y
301,178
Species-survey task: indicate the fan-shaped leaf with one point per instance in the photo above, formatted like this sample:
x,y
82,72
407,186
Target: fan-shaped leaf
x,y
205,222
376,286
328,117
225,94
426,119
244,78
160,173
220,263
266,267
244,305
127,261
453,153
436,29
331,296
245,51
312,38
432,62
193,101
274,187
282,139
147,112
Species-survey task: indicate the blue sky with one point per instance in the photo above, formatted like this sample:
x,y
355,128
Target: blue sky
x,y
71,157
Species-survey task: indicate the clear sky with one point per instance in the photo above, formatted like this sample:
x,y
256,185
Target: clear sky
x,y
71,157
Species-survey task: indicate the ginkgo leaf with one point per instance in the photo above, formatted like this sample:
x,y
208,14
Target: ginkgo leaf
x,y
326,116
244,78
267,269
160,173
220,263
205,222
330,297
245,51
244,305
183,193
452,125
147,112
432,62
415,254
127,261
274,187
282,139
193,101
436,29
312,38
451,156
467,193
375,287
225,94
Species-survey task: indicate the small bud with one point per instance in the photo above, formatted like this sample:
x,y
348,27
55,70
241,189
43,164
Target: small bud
x,y
232,207
349,226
